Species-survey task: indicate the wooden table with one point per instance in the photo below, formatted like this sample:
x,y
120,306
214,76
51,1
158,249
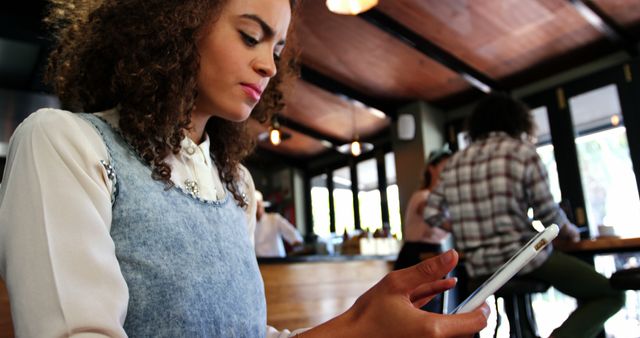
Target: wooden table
x,y
600,245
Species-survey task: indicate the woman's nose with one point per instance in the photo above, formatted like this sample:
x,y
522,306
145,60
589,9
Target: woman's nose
x,y
266,66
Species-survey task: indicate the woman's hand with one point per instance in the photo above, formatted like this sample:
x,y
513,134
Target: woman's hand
x,y
391,308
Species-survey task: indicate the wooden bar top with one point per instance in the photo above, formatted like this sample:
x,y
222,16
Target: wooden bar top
x,y
325,258
600,245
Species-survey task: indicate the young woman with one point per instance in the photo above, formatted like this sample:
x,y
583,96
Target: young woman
x,y
420,239
137,220
415,229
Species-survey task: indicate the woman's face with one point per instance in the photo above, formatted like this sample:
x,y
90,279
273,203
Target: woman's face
x,y
238,52
436,171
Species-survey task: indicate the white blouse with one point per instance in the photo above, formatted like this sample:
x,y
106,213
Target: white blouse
x,y
56,255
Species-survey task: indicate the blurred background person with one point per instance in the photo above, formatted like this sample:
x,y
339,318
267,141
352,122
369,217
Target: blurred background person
x,y
271,230
416,230
420,239
484,195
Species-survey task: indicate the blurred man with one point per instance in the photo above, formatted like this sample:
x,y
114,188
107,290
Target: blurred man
x,y
271,229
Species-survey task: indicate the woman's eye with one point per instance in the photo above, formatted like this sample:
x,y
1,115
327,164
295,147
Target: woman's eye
x,y
276,57
248,39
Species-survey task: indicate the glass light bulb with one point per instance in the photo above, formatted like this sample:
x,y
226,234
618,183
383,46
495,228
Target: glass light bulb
x,y
350,7
615,120
356,148
274,137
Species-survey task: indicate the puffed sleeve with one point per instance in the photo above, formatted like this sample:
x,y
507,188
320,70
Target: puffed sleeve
x,y
56,254
250,211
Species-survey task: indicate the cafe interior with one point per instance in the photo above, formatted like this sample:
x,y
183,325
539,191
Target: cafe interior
x,y
384,83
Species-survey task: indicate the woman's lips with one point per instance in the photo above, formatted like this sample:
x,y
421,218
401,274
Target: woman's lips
x,y
252,91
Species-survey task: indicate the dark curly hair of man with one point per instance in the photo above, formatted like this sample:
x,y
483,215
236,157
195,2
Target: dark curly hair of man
x,y
141,56
500,112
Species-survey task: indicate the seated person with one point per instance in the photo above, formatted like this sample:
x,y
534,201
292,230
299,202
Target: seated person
x,y
487,189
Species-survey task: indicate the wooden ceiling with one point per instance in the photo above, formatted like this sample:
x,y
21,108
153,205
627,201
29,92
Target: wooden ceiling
x,y
497,37
405,50
625,12
439,51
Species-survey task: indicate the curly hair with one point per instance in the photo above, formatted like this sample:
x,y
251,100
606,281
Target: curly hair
x,y
141,57
500,112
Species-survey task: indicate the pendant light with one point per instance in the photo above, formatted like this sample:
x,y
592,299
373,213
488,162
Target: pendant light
x,y
275,135
355,147
350,7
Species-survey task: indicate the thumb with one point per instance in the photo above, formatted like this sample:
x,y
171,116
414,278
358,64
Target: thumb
x,y
465,324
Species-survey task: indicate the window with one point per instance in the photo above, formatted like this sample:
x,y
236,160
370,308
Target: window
x,y
393,196
545,149
463,139
608,180
320,206
343,201
369,195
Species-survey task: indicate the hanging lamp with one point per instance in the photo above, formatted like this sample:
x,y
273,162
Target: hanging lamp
x,y
275,135
350,7
355,148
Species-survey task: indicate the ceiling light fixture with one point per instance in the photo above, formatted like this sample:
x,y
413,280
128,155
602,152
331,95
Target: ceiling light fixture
x,y
615,120
355,147
350,7
275,134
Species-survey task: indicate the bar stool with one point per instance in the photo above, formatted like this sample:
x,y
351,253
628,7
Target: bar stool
x,y
516,294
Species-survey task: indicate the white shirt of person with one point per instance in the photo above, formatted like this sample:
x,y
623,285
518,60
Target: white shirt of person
x,y
271,229
72,285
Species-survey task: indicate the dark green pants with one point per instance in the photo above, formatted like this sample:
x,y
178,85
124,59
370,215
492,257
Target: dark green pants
x,y
597,301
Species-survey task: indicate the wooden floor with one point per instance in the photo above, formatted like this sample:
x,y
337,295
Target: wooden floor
x,y
306,294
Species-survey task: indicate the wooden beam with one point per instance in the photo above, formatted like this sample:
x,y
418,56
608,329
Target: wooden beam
x,y
336,87
607,26
386,23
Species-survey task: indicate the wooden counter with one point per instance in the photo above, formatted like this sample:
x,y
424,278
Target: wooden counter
x,y
601,245
304,294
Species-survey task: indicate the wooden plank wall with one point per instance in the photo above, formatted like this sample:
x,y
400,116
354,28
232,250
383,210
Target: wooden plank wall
x,y
306,294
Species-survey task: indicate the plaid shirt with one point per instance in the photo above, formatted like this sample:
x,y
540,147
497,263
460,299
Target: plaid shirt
x,y
485,192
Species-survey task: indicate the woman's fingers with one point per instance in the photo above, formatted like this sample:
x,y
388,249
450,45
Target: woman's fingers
x,y
424,293
429,270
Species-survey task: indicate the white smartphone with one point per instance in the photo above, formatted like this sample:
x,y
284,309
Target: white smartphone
x,y
508,270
